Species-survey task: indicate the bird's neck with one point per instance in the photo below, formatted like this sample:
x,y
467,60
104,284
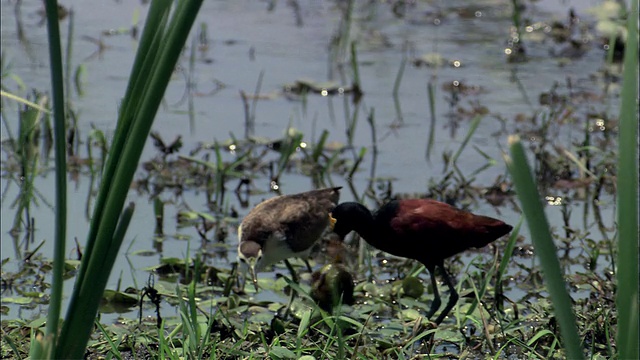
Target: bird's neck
x,y
365,224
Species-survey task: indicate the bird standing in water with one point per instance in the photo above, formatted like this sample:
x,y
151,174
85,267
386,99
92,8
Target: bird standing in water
x,y
421,229
283,227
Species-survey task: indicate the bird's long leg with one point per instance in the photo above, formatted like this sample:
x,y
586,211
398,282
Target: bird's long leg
x,y
435,304
292,296
235,273
287,311
453,296
294,276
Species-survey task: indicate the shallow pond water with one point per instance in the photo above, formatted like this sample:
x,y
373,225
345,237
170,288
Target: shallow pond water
x,y
247,42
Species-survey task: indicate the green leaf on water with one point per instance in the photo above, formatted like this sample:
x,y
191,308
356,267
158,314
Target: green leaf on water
x,y
37,323
448,335
263,317
20,300
70,265
33,294
410,314
143,252
306,357
278,352
119,297
274,306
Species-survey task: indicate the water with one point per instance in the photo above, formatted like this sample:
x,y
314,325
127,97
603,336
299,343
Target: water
x,y
246,40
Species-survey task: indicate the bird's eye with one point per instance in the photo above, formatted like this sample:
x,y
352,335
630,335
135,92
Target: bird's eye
x,y
243,260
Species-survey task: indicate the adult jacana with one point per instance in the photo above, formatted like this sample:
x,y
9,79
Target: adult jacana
x,y
283,227
421,229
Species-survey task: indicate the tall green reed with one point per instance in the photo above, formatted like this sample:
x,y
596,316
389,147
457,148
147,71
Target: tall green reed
x,y
627,198
160,46
46,348
531,204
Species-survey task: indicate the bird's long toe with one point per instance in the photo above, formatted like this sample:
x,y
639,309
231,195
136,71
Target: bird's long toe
x,y
453,299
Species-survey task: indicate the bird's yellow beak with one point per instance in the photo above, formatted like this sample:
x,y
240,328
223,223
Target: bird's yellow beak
x,y
332,221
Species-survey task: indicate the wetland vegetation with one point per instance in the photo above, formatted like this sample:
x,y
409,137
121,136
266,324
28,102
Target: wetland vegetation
x,y
390,100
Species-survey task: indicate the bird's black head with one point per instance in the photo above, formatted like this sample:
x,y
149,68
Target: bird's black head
x,y
351,216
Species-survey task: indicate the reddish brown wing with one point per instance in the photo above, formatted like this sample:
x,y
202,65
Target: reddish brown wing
x,y
444,229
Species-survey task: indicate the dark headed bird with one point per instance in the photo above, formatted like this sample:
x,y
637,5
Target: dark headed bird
x,y
284,227
421,229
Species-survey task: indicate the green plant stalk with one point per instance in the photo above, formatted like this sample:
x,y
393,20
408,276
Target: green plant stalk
x,y
78,77
27,150
292,143
118,238
189,320
395,93
113,346
57,81
21,100
41,346
254,103
356,165
148,107
130,109
193,314
319,147
87,292
508,250
191,86
354,65
157,11
545,248
7,340
371,119
139,75
345,31
472,129
67,70
219,173
515,16
207,344
610,52
502,268
627,196
396,83
432,116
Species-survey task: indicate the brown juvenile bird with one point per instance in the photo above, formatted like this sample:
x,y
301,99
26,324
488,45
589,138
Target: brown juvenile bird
x,y
421,229
284,227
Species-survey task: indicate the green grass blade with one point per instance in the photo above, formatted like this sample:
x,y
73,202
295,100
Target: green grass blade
x,y
112,345
508,251
627,274
432,117
472,129
502,268
545,248
57,81
319,147
356,165
118,237
24,101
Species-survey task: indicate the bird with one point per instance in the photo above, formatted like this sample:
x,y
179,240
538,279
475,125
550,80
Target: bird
x,y
283,227
425,230
332,285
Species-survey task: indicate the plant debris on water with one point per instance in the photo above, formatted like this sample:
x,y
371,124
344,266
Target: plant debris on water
x,y
359,302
